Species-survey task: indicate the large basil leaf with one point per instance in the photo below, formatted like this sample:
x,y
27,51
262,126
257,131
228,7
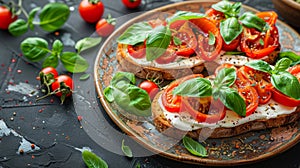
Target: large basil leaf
x,y
92,160
157,42
108,94
53,16
250,20
225,77
34,48
194,147
231,99
282,65
196,87
73,62
51,61
184,15
287,84
230,29
31,17
289,54
87,43
259,65
132,99
18,27
126,76
137,33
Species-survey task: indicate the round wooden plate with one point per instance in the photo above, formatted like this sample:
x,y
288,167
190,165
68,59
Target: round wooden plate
x,y
243,149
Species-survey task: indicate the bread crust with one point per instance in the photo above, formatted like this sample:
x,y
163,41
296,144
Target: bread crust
x,y
164,126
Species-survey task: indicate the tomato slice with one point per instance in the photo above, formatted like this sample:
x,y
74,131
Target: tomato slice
x,y
261,81
206,51
173,103
167,57
137,51
259,44
215,16
284,99
204,109
251,98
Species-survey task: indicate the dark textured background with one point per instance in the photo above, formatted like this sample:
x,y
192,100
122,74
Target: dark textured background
x,y
55,128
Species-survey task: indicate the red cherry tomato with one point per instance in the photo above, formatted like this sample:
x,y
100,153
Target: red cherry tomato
x,y
63,86
6,17
233,45
282,98
105,27
49,70
150,87
91,10
132,3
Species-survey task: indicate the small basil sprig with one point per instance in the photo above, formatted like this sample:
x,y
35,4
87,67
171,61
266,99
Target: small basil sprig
x,y
194,147
280,78
36,49
52,17
123,91
200,87
295,58
232,26
92,160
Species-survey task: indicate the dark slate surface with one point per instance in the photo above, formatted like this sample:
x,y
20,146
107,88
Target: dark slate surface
x,y
54,128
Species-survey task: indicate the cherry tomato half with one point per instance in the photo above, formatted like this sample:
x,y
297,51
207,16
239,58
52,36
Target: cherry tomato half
x,y
215,16
6,17
131,3
91,10
282,98
250,96
105,26
150,87
137,51
168,56
206,51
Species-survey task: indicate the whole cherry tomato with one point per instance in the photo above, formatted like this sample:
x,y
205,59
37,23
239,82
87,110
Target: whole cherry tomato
x,y
105,27
132,3
150,87
91,10
63,86
49,70
6,17
47,77
282,98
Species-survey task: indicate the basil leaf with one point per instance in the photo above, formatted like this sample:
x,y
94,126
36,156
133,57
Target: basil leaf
x,y
251,20
137,33
229,9
225,77
231,99
287,84
157,42
53,16
234,53
194,147
57,47
230,29
92,160
84,77
132,99
289,54
87,43
184,15
126,150
73,62
196,87
212,39
108,94
177,41
259,65
31,17
282,65
34,48
18,27
51,61
127,76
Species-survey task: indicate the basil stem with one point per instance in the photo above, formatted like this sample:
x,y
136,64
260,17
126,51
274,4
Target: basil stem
x,y
157,42
251,20
194,147
92,160
137,33
286,83
230,29
196,87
